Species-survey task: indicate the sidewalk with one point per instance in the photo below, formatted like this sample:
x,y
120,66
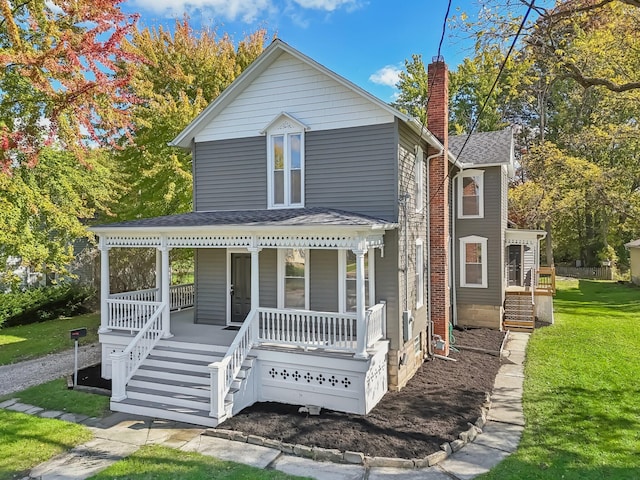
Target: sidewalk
x,y
119,435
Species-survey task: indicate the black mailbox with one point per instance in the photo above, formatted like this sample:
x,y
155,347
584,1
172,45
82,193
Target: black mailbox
x,y
77,333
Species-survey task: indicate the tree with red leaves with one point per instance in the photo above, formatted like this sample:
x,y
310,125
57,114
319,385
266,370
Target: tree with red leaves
x,y
65,77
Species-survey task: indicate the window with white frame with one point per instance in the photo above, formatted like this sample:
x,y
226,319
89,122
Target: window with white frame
x,y
419,173
473,262
294,278
285,154
419,273
350,281
471,194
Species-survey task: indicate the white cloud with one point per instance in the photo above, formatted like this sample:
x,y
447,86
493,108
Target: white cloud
x,y
328,5
245,10
388,76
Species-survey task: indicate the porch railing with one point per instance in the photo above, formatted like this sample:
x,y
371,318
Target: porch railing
x,y
182,296
147,295
546,279
224,372
131,315
376,321
124,364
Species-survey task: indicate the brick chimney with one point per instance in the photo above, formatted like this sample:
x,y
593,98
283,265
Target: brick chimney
x,y
438,125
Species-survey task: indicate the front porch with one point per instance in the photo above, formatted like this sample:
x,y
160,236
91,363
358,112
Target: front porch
x,y
200,353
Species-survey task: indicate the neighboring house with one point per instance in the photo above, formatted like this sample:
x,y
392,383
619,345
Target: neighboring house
x,y
321,230
634,259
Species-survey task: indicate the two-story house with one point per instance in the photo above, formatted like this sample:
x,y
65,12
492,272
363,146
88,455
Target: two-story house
x,y
321,235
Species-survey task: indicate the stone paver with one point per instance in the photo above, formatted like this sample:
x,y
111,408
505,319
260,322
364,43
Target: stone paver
x,y
472,460
506,409
305,467
246,453
389,473
83,461
134,432
19,407
51,414
500,436
511,370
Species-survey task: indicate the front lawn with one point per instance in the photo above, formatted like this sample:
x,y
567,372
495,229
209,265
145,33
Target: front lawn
x,y
24,342
55,395
582,389
26,441
159,463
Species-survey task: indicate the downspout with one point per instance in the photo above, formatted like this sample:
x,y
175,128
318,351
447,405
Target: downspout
x,y
429,321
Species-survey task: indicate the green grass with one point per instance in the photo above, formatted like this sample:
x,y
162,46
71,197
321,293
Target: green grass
x,y
582,389
159,463
26,441
37,339
55,395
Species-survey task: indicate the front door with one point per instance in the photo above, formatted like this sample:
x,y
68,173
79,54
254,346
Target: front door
x,y
515,265
240,286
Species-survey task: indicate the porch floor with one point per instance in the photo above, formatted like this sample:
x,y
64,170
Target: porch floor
x,y
184,329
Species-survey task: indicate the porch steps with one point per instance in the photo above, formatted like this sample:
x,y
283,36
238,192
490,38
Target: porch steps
x,y
173,383
519,312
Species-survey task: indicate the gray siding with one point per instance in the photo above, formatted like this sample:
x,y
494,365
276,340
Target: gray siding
x,y
491,228
268,278
352,169
211,286
387,287
323,280
230,175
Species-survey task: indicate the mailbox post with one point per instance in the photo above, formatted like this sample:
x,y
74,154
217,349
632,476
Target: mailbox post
x,y
75,335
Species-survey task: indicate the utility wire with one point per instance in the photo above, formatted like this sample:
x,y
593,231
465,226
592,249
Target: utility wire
x,y
486,101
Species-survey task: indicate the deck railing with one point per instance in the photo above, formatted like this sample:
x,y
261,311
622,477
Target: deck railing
x,y
124,364
546,279
336,331
224,372
147,295
182,296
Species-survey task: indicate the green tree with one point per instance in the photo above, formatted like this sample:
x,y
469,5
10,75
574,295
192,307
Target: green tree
x,y
183,73
43,209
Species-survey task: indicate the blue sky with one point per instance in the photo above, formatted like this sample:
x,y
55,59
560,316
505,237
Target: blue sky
x,y
365,41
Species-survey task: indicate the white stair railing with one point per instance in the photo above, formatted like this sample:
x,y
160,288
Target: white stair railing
x,y
124,364
224,372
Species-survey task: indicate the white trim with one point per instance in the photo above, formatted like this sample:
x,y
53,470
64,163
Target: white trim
x,y
372,276
463,274
461,176
419,176
419,273
342,281
285,129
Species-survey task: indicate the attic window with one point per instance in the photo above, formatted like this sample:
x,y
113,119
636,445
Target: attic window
x,y
285,158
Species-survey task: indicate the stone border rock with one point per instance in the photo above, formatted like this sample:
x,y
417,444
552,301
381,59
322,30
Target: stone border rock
x,y
359,458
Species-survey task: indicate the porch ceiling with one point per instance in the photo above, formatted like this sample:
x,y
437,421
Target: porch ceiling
x,y
300,227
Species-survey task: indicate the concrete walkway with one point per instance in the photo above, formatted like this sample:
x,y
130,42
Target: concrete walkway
x,y
119,435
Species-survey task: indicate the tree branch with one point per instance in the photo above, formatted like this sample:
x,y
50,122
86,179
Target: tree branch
x,y
586,82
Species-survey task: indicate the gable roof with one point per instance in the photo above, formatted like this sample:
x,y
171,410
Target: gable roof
x,y
483,149
259,65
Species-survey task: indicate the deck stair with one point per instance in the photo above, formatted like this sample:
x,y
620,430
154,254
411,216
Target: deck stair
x,y
519,312
173,383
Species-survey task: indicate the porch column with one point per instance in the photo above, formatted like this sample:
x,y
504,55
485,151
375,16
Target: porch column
x,y
104,285
361,349
158,275
165,295
255,277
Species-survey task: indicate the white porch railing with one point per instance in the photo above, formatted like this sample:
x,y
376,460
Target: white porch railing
x,y
124,364
376,320
336,331
147,295
226,370
182,296
131,315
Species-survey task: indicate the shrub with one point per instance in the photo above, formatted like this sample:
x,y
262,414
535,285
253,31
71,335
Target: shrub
x,y
44,303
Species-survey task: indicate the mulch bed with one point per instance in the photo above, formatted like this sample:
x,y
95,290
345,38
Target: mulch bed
x,y
432,409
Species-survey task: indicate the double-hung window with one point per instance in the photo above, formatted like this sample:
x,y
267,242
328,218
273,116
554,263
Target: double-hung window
x,y
294,278
473,262
351,281
285,153
419,173
471,194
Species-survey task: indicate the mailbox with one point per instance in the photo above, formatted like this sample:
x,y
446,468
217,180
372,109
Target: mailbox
x,y
77,333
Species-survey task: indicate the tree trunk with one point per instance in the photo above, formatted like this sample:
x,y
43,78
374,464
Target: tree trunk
x,y
549,246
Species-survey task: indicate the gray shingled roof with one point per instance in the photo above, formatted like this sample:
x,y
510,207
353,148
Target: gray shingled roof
x,y
308,217
484,148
